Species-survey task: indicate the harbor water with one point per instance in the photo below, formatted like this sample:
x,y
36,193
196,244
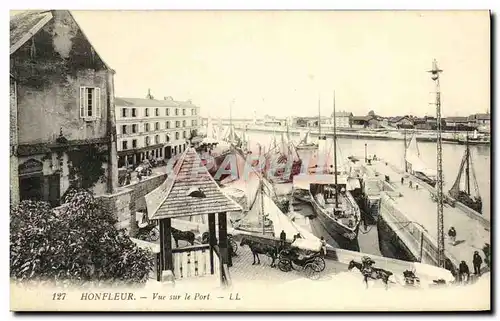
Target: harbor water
x,y
393,152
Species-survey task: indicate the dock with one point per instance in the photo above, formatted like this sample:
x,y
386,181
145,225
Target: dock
x,y
401,205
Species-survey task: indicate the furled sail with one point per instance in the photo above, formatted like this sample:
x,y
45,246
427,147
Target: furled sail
x,y
466,189
416,162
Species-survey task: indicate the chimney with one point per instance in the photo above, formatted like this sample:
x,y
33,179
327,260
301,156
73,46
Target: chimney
x,y
149,96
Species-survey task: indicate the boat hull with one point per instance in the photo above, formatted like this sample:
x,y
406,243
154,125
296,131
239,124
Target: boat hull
x,y
307,147
346,238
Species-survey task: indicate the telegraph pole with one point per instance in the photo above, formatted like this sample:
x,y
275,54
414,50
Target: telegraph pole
x,y
440,224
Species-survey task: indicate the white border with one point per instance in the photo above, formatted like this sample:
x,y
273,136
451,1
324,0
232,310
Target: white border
x,y
190,4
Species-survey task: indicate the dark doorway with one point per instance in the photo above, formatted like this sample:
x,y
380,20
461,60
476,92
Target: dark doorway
x,y
54,182
31,187
168,152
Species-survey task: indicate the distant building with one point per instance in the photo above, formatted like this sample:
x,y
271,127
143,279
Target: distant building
x,y
401,122
343,119
62,109
369,121
151,128
456,121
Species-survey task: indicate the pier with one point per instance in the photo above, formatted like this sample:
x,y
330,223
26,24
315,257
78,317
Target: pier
x,y
411,214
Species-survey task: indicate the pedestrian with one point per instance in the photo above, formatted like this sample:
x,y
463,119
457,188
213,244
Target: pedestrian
x,y
477,260
323,246
464,273
402,180
282,239
416,186
410,184
453,235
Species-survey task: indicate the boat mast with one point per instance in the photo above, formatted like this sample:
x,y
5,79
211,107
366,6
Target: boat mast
x,y
406,146
262,205
467,166
335,151
231,121
440,222
319,115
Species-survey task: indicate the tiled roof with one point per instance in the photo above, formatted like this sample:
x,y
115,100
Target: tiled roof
x,y
458,119
25,25
171,199
144,102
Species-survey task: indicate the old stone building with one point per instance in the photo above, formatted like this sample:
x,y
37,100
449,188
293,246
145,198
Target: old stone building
x,y
152,128
62,109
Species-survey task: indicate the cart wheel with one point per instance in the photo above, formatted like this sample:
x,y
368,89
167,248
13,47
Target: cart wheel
x,y
234,246
320,263
285,265
154,234
312,271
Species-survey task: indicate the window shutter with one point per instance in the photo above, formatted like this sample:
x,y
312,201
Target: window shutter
x,y
97,101
82,102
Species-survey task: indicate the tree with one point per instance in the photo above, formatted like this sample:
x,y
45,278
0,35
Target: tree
x,y
78,244
371,113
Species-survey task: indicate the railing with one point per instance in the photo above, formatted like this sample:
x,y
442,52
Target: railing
x,y
193,261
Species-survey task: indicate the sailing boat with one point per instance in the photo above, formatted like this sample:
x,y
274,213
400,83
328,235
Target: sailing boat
x,y
333,204
415,165
464,196
305,144
279,156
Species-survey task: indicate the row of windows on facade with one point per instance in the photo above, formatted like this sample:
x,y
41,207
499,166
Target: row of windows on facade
x,y
134,128
132,112
147,140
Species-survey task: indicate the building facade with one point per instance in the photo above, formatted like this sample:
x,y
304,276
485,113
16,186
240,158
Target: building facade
x,y
62,110
149,128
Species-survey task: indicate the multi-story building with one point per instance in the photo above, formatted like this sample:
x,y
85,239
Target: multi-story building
x,y
151,128
342,119
62,112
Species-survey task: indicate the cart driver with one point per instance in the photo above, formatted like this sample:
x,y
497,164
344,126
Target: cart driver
x,y
367,264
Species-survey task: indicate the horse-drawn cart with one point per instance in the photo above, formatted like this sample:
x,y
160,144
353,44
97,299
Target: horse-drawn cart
x,y
303,255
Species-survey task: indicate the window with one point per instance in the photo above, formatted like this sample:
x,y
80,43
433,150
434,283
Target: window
x,y
124,112
167,111
134,128
176,135
134,112
157,112
124,129
177,112
167,138
124,145
183,112
157,126
146,127
183,123
192,112
177,124
157,139
167,125
90,102
184,134
146,141
146,112
193,123
134,143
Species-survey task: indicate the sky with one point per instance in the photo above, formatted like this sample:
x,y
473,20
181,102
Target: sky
x,y
283,63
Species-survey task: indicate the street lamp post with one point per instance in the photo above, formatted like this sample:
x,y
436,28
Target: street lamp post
x,y
366,156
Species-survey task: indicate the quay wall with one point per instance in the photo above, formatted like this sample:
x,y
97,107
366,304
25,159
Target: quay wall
x,y
467,211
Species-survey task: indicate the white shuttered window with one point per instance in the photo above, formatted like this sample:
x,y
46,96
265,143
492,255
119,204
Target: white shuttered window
x,y
90,102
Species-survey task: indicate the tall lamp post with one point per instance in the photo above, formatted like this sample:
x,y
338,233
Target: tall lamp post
x,y
366,155
421,254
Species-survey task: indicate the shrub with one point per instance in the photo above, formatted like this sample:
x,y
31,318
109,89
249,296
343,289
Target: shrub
x,y
79,243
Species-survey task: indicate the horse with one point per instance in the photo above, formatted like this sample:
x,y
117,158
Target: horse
x,y
259,248
182,235
375,273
